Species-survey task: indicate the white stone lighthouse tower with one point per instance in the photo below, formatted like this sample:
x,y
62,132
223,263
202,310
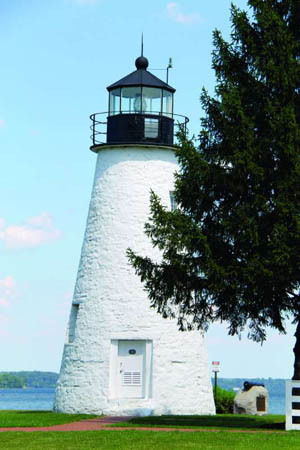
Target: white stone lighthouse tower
x,y
121,357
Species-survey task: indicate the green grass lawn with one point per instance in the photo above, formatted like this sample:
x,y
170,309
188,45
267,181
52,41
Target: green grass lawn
x,y
148,440
268,422
220,421
37,418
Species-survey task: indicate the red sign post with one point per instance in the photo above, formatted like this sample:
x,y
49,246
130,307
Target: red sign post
x,y
216,366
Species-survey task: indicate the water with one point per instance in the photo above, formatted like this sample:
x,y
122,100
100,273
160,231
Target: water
x,y
276,404
29,398
42,399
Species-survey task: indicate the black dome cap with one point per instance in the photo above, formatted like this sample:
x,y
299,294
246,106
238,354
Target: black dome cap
x,y
141,63
141,77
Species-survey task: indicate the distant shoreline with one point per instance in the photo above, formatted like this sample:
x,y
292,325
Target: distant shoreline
x,y
275,386
40,379
27,379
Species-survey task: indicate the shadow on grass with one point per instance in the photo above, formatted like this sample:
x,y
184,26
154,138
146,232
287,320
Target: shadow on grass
x,y
38,418
268,422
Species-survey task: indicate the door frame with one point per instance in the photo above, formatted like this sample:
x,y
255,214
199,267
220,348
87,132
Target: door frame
x,y
114,368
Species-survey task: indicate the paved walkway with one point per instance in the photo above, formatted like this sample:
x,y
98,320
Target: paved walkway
x,y
104,422
83,425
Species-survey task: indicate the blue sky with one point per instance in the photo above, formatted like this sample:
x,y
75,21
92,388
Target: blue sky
x,y
57,57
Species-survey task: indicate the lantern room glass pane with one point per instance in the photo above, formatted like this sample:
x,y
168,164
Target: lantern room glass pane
x,y
151,128
152,100
131,100
114,102
167,103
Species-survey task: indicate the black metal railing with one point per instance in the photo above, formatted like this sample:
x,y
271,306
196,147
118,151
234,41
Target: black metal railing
x,y
128,127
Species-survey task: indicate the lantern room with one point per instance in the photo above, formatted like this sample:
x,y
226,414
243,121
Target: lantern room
x,y
140,111
140,93
140,108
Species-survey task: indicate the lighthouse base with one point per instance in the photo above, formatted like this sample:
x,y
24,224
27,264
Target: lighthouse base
x,y
131,408
164,374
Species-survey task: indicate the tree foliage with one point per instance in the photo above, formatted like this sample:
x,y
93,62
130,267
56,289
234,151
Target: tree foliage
x,y
29,379
8,381
231,251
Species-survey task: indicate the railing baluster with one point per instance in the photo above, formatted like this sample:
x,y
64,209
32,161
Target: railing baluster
x,y
98,125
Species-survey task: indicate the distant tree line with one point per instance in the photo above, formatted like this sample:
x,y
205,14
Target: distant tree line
x,y
8,381
275,386
27,379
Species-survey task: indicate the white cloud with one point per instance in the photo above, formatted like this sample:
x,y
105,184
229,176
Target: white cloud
x,y
7,287
36,231
43,220
175,14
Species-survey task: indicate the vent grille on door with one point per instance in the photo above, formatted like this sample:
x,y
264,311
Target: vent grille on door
x,y
132,378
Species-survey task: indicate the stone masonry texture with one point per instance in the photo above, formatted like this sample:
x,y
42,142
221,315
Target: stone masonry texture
x,y
110,303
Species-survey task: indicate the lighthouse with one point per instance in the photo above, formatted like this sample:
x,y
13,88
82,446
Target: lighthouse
x,y
120,356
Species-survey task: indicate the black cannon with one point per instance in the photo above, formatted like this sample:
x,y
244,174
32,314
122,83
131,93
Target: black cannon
x,y
248,385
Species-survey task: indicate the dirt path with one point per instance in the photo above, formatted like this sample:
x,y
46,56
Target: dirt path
x,y
104,422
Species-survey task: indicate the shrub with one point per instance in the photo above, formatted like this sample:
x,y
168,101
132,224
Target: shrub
x,y
224,401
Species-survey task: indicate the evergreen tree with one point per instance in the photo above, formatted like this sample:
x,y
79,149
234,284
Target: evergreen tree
x,y
231,251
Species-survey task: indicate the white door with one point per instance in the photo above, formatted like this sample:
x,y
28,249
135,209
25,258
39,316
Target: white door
x,y
131,361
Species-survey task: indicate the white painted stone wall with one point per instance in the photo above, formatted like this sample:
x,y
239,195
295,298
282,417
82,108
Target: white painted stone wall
x,y
112,304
